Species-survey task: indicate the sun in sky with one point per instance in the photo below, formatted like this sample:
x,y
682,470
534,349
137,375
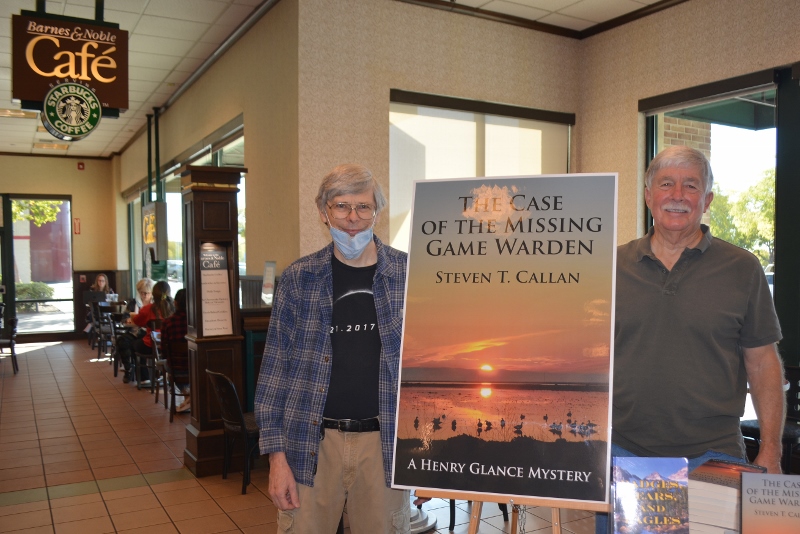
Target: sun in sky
x,y
486,367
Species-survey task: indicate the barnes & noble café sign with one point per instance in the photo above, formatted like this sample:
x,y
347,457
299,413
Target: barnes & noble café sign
x,y
70,69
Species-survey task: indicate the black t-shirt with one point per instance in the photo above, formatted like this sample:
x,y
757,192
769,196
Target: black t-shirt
x,y
356,343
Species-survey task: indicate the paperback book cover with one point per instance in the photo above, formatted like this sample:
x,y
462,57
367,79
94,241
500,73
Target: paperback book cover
x,y
770,503
650,496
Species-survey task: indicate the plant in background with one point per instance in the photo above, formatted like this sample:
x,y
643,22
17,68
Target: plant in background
x,y
32,290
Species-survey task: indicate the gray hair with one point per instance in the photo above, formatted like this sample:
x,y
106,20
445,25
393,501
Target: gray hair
x,y
349,179
681,156
145,284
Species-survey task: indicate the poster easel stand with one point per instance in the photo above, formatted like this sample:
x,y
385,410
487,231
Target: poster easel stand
x,y
475,513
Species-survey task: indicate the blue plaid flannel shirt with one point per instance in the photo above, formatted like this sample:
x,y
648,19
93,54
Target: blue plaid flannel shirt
x,y
296,369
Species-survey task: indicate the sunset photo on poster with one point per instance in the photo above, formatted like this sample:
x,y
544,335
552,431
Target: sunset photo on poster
x,y
507,337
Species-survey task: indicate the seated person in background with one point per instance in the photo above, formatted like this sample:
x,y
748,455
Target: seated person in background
x,y
144,295
161,308
173,331
101,284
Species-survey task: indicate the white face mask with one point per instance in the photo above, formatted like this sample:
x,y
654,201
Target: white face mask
x,y
350,247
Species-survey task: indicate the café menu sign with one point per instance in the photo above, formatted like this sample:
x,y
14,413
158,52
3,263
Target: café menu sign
x,y
47,52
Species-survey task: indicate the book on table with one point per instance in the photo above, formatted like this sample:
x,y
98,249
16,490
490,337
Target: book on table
x,y
650,496
770,503
715,496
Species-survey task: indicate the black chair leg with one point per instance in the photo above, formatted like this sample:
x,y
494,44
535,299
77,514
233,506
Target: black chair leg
x,y
452,515
226,456
504,509
246,473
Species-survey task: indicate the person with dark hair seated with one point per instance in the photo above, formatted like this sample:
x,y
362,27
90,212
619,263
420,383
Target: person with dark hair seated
x,y
173,331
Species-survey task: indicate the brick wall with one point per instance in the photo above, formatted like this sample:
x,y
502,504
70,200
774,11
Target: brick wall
x,y
688,133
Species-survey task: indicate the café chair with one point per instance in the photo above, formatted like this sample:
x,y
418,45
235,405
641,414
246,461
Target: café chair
x,y
160,365
148,361
176,360
10,342
790,438
103,329
236,424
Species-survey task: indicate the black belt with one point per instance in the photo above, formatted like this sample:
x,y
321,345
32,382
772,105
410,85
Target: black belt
x,y
353,425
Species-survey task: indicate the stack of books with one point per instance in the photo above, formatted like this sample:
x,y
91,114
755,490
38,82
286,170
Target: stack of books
x,y
715,490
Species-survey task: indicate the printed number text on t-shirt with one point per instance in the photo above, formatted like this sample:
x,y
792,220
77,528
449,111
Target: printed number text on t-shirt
x,y
353,328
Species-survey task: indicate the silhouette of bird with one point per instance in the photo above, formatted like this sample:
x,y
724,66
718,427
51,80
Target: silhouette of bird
x,y
453,424
522,416
502,423
416,423
488,425
545,418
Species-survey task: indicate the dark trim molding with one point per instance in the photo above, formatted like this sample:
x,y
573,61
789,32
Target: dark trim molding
x,y
710,90
542,27
496,17
630,17
477,106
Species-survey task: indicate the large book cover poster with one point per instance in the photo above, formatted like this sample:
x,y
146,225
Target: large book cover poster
x,y
507,337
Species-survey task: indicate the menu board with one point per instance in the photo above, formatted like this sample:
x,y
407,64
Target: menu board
x,y
215,295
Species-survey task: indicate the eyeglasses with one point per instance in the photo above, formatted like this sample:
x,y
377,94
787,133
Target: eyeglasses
x,y
341,210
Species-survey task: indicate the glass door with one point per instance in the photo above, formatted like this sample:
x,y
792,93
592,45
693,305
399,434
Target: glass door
x,y
42,264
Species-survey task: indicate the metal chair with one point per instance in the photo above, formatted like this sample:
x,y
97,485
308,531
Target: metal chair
x,y
10,342
160,367
236,424
103,328
176,358
148,360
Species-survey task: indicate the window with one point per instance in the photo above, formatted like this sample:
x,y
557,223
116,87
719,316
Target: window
x,y
738,136
756,102
232,154
474,139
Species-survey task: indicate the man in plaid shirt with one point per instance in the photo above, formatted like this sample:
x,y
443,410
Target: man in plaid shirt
x,y
326,396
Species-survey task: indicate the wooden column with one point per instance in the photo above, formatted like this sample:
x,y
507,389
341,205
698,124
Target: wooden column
x,y
210,221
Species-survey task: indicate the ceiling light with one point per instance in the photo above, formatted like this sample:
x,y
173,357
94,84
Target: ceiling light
x,y
51,146
18,114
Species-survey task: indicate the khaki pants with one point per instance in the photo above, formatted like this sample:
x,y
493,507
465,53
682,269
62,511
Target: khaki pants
x,y
350,469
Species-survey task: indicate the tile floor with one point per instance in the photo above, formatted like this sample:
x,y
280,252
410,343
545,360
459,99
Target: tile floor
x,y
81,452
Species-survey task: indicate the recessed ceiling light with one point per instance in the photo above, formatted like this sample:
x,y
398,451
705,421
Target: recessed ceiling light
x,y
18,114
51,146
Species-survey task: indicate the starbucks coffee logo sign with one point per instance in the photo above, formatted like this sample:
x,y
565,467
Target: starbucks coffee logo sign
x,y
71,111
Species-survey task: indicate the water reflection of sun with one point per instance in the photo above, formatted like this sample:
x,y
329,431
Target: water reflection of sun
x,y
486,392
486,367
